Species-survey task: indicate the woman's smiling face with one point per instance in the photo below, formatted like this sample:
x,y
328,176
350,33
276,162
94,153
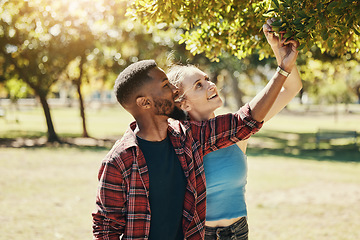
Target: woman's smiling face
x,y
199,95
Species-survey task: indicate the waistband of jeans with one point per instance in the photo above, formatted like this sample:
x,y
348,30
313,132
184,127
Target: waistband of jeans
x,y
213,230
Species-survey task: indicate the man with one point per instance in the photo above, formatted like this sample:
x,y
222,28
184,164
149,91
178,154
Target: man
x,y
152,183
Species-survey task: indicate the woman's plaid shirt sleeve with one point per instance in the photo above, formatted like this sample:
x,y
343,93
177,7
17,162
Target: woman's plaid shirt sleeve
x,y
225,130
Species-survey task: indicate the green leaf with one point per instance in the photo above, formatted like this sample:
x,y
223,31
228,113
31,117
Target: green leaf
x,y
285,5
301,35
345,4
330,42
332,4
319,6
228,9
338,11
142,3
301,47
302,14
270,11
356,32
276,3
324,34
311,24
287,35
331,31
297,21
282,29
182,40
287,2
275,28
277,23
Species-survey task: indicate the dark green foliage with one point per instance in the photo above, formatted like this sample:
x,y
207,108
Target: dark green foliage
x,y
235,27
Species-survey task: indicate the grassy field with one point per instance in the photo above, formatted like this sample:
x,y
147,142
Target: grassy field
x,y
47,193
290,198
294,191
30,122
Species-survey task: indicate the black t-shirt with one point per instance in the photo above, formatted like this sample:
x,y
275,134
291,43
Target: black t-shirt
x,y
167,189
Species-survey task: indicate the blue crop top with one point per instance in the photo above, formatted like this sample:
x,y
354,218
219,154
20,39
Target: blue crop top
x,y
226,177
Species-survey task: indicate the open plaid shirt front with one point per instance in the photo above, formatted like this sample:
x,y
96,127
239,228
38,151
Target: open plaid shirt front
x,y
122,201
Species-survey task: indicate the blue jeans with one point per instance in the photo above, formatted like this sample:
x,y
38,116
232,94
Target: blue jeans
x,y
237,231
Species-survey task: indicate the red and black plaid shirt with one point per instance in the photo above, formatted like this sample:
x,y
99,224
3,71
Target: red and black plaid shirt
x,y
123,195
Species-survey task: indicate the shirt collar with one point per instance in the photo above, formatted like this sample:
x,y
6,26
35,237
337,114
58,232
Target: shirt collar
x,y
175,128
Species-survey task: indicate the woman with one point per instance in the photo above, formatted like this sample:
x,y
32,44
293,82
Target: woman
x,y
226,214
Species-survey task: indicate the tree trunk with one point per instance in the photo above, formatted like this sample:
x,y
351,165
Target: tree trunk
x,y
301,94
357,90
81,101
52,136
238,94
82,110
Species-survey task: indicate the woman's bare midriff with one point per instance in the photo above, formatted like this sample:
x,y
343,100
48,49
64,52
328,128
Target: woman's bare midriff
x,y
221,223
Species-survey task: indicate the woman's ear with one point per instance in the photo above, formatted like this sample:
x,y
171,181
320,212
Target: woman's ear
x,y
143,102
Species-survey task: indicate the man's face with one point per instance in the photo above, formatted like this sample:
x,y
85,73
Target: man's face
x,y
162,93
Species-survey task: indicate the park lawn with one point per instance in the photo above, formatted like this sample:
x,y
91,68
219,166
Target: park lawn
x,y
292,198
112,121
30,122
49,193
294,191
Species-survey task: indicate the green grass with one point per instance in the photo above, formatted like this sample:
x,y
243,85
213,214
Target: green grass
x,y
289,198
30,122
112,121
49,193
294,190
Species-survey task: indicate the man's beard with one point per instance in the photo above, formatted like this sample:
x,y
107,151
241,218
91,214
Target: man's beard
x,y
178,114
164,106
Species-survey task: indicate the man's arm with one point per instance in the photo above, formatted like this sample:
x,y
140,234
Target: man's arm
x,y
108,218
261,104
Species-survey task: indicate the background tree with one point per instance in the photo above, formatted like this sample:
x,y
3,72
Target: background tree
x,y
85,44
26,52
42,41
36,45
214,27
223,28
329,78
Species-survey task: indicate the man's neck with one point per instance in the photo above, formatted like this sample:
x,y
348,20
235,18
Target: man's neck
x,y
152,129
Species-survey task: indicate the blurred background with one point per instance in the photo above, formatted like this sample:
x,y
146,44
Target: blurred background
x,y
59,117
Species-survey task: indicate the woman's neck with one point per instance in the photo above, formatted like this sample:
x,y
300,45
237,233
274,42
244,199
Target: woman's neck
x,y
202,117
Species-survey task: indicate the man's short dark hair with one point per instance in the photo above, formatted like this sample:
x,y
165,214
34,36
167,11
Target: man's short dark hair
x,y
131,79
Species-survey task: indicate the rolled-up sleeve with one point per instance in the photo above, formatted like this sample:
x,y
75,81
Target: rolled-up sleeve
x,y
253,125
225,130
